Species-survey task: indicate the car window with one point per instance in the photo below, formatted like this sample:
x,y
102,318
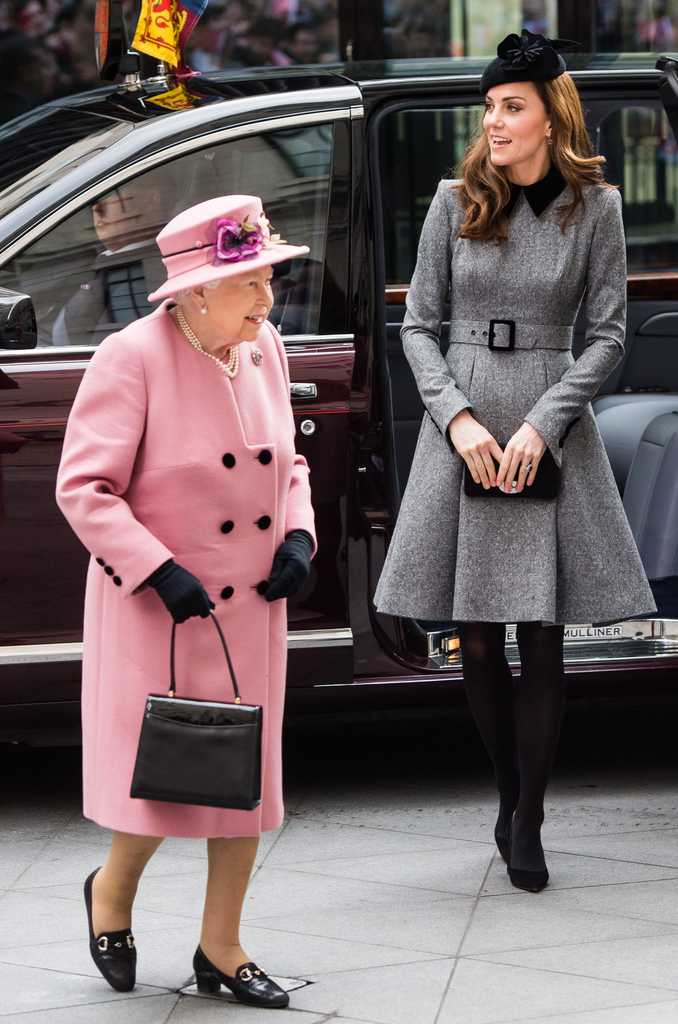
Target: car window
x,y
40,146
636,140
409,182
642,157
92,273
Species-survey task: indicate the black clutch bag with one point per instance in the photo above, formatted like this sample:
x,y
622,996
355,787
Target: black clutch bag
x,y
199,751
545,485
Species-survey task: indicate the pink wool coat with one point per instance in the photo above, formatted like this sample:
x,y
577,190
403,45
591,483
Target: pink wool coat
x,y
167,457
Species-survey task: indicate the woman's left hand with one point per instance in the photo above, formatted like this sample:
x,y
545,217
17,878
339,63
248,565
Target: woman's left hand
x,y
524,450
291,565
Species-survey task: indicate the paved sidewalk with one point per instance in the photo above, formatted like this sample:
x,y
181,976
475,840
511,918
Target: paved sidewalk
x,y
382,894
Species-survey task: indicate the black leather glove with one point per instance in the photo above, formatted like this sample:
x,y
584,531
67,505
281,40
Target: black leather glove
x,y
182,593
291,565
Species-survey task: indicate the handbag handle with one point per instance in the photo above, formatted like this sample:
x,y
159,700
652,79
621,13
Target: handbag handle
x,y
173,682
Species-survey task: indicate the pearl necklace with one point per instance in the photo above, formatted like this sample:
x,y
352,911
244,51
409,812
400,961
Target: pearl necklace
x,y
230,366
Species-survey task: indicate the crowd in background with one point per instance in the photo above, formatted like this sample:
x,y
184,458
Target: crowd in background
x,y
47,46
249,33
46,51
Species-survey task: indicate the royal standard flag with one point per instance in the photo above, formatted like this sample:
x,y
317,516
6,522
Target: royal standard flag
x,y
164,27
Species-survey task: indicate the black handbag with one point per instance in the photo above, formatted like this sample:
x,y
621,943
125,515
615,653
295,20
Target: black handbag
x,y
545,485
199,751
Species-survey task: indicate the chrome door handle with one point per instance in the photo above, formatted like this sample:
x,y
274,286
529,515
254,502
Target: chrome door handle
x,y
303,391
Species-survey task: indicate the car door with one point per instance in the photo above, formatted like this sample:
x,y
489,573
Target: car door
x,y
628,126
88,275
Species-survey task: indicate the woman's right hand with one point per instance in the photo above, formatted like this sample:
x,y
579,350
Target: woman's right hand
x,y
182,593
476,445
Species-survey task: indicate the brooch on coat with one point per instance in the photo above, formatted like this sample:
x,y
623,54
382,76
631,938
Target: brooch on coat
x,y
257,356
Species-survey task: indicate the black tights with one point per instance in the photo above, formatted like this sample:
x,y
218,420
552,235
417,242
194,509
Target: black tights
x,y
519,722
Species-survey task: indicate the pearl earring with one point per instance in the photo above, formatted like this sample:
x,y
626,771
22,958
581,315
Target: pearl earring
x,y
203,310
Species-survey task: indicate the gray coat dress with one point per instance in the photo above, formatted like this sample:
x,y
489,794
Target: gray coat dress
x,y
508,559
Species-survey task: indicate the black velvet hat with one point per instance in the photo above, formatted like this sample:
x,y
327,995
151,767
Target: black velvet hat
x,y
528,57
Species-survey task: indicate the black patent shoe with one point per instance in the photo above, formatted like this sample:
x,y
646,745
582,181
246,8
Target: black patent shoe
x,y
250,984
114,953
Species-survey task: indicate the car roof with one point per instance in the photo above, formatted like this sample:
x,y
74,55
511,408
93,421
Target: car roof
x,y
64,139
156,98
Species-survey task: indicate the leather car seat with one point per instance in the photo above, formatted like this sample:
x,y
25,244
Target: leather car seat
x,y
651,505
621,419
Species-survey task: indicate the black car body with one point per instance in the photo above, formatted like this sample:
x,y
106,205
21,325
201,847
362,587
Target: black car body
x,y
346,159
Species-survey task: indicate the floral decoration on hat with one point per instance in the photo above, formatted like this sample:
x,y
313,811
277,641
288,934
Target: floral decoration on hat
x,y
528,57
520,51
526,48
239,241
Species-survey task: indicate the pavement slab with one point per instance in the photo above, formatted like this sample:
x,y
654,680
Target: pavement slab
x,y
573,871
382,898
653,901
453,866
529,920
146,1009
641,960
492,993
647,1013
430,926
384,995
39,988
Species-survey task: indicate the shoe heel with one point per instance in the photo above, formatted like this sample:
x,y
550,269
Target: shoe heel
x,y
208,984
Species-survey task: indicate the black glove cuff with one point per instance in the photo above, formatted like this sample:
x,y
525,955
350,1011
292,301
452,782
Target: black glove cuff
x,y
301,535
162,573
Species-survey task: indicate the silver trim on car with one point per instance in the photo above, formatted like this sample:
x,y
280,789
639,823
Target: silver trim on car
x,y
22,654
627,641
160,156
46,351
473,79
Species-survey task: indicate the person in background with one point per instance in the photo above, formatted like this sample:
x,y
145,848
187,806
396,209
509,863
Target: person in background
x,y
260,45
113,291
301,43
30,75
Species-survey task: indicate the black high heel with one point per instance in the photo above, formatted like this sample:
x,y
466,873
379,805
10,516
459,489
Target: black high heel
x,y
503,844
114,953
530,881
250,984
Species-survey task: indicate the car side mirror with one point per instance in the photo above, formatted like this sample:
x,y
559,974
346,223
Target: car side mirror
x,y
18,326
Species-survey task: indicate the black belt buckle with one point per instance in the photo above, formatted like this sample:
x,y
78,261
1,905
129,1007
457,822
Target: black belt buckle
x,y
512,336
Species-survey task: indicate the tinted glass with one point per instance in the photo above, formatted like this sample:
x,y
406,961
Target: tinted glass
x,y
39,147
409,182
636,140
642,157
91,274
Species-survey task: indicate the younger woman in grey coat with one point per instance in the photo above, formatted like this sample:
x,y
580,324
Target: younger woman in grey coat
x,y
528,231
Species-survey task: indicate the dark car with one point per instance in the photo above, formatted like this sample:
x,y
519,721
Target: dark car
x,y
346,160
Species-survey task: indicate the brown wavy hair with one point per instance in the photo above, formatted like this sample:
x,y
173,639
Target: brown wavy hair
x,y
485,189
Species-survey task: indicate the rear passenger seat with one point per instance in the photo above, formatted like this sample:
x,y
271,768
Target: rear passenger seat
x,y
621,419
651,505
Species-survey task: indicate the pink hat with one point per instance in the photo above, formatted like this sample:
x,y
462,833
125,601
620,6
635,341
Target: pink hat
x,y
219,238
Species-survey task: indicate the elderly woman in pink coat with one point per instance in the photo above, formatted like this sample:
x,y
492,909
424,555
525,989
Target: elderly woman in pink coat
x,y
179,475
